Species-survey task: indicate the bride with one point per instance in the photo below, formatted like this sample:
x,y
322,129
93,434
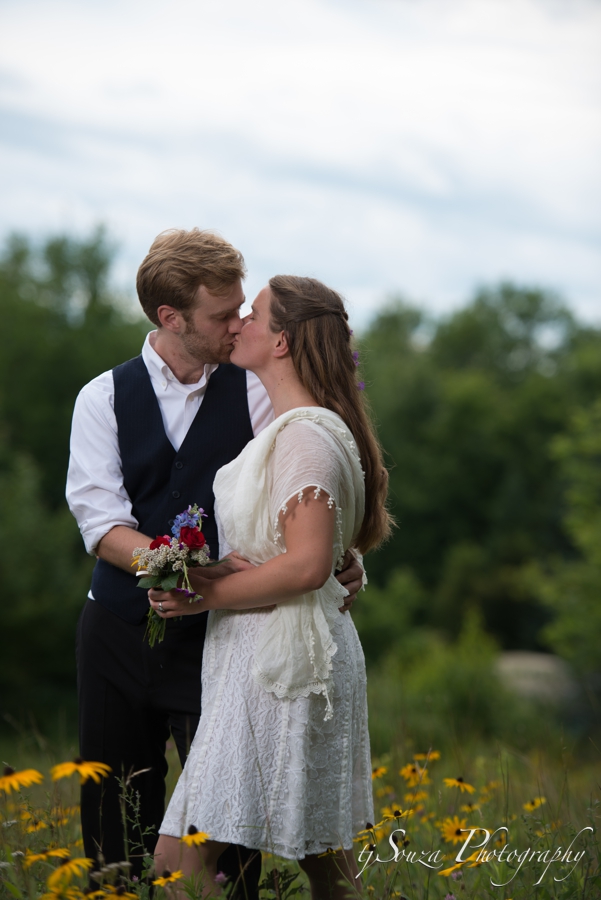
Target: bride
x,y
280,761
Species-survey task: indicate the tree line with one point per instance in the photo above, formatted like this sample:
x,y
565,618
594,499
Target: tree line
x,y
490,417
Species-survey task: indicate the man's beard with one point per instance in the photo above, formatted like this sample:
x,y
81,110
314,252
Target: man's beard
x,y
203,349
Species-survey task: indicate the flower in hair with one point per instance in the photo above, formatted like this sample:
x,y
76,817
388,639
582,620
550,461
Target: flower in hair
x,y
361,386
356,357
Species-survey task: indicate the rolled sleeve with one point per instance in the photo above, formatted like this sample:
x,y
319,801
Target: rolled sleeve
x,y
95,491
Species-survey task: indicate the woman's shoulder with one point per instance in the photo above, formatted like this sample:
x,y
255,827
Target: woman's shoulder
x,y
312,425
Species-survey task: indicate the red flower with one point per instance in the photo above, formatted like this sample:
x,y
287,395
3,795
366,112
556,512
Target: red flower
x,y
159,541
191,537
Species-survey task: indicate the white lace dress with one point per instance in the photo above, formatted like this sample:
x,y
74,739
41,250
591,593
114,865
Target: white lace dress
x,y
275,766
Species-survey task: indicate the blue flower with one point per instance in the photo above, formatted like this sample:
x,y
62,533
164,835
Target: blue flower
x,y
191,518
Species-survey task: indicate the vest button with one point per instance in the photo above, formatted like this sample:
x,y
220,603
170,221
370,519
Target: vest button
x,y
179,465
175,494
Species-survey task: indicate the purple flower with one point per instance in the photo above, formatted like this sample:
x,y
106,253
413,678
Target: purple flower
x,y
356,357
221,878
185,591
450,897
361,386
456,875
135,878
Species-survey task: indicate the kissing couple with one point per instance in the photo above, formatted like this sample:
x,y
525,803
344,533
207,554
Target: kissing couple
x,y
259,421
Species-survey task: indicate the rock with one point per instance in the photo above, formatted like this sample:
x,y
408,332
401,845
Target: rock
x,y
537,676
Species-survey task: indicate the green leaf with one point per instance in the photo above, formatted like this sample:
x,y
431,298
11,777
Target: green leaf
x,y
149,581
168,582
14,890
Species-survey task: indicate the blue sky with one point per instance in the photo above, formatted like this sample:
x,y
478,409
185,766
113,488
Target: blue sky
x,y
416,146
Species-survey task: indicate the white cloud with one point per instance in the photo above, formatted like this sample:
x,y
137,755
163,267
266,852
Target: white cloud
x,y
417,145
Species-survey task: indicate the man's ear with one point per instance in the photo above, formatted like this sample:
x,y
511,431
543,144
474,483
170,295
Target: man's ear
x,y
281,348
170,319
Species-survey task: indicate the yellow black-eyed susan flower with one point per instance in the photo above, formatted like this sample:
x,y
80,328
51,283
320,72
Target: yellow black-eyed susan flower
x,y
384,791
451,869
370,831
45,855
470,807
414,774
392,812
60,815
195,837
416,796
111,891
489,788
63,892
168,877
452,829
432,754
94,770
460,783
534,803
329,852
10,780
68,868
378,772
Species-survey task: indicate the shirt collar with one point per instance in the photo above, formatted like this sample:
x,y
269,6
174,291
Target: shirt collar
x,y
160,371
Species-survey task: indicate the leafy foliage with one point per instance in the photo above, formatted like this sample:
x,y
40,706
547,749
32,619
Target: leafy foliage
x,y
572,587
471,410
61,329
467,409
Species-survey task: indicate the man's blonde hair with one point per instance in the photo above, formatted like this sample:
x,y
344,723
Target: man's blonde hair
x,y
179,262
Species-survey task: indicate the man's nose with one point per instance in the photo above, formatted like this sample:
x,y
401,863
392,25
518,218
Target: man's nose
x,y
235,324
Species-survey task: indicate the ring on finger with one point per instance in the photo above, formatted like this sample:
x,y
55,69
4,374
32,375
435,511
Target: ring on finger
x,y
161,610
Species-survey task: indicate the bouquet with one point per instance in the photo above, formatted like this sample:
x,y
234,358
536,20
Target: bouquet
x,y
168,560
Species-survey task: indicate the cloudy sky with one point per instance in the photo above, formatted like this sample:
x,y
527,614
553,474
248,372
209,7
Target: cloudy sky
x,y
420,146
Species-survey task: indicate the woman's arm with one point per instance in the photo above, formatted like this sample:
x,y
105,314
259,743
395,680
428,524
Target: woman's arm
x,y
308,531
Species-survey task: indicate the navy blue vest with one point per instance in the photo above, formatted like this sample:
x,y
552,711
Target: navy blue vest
x,y
161,482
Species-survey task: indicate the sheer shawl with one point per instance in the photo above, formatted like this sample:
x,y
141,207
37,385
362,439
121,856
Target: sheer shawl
x,y
309,448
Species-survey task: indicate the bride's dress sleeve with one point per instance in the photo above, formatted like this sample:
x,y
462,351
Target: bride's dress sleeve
x,y
307,462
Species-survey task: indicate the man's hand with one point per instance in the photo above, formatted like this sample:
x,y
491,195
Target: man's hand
x,y
351,576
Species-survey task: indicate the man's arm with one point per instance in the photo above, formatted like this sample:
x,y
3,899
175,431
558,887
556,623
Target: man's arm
x,y
118,545
95,491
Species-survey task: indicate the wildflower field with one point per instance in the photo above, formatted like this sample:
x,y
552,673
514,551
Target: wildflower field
x,y
478,821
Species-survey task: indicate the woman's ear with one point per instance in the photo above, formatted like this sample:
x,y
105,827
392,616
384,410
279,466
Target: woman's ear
x,y
281,348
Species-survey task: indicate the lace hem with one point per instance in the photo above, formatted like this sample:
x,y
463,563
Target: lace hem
x,y
266,844
285,692
299,493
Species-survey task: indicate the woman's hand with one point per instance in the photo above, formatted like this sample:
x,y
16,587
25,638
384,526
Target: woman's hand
x,y
174,603
169,604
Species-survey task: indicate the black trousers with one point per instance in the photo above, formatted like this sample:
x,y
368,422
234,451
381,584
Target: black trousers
x,y
131,698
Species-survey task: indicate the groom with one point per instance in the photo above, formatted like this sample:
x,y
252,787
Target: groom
x,y
147,440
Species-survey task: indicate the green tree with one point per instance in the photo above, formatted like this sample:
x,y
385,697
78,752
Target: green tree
x,y
571,588
62,327
467,408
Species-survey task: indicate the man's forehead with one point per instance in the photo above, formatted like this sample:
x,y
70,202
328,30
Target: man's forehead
x,y
221,302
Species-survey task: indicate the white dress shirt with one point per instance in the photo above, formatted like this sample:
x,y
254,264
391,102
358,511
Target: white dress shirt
x,y
95,491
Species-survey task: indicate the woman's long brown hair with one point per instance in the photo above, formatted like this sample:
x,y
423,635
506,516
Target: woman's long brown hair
x,y
315,322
